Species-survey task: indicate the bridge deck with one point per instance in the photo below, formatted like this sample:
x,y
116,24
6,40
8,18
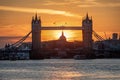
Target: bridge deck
x,y
61,28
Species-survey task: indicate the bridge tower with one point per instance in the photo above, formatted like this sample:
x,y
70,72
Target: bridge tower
x,y
36,38
87,32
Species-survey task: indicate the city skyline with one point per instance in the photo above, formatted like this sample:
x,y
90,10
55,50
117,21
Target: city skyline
x,y
16,16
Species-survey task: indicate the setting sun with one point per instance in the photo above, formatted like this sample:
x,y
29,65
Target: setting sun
x,y
71,35
67,33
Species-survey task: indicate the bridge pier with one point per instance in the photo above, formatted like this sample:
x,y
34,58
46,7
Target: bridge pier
x,y
36,39
87,32
87,37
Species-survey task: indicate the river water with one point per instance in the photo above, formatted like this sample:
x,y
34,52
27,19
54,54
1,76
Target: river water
x,y
60,69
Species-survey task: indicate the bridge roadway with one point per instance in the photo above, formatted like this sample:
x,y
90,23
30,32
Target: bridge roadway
x,y
61,28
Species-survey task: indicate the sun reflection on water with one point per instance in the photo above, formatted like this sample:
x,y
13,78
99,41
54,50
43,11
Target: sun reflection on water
x,y
70,74
65,75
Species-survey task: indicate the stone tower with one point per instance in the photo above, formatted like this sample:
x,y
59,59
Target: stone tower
x,y
36,38
87,32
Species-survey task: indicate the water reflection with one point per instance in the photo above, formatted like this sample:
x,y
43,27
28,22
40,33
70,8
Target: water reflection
x,y
65,75
60,70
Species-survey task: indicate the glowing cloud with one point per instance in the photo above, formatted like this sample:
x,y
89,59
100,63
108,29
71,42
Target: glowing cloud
x,y
98,4
33,10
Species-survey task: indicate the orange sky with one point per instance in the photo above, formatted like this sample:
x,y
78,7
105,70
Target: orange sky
x,y
15,16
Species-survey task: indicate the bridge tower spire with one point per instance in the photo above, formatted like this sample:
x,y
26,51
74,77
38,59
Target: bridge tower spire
x,y
36,18
36,38
87,32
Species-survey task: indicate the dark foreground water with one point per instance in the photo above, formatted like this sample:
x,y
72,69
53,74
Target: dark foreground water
x,y
60,69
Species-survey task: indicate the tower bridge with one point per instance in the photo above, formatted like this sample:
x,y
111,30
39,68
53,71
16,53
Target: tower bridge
x,y
37,28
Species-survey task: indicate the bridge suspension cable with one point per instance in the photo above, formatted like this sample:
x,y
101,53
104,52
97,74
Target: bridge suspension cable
x,y
98,36
103,41
18,43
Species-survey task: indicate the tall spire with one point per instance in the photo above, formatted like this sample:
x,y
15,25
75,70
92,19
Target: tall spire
x,y
36,16
87,16
62,37
62,33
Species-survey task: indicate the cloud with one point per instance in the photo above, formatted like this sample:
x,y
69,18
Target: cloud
x,y
33,10
56,3
98,3
85,3
108,1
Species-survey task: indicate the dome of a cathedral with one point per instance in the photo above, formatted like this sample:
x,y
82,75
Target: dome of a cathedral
x,y
62,37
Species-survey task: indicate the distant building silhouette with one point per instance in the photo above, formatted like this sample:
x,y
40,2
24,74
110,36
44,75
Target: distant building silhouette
x,y
114,36
62,37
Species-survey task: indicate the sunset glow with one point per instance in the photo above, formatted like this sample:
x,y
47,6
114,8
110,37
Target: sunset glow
x,y
32,10
67,34
16,16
